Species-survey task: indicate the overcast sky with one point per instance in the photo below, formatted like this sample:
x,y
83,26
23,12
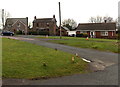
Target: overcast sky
x,y
79,10
119,12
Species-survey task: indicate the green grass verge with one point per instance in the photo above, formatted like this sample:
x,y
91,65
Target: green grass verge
x,y
75,38
93,43
25,60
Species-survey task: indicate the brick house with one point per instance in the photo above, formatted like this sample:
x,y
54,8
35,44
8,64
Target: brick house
x,y
45,26
17,25
64,31
97,30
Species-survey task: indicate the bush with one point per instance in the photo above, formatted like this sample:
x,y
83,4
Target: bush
x,y
32,33
19,32
85,35
43,33
82,35
38,33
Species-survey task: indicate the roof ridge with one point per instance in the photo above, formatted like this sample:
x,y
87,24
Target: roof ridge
x,y
15,18
44,18
98,23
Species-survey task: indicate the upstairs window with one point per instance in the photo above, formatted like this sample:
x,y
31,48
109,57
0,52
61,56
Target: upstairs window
x,y
47,24
18,25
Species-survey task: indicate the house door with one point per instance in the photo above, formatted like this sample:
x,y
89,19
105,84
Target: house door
x,y
92,34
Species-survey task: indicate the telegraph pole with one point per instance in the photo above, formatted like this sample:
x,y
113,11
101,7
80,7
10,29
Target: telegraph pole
x,y
3,18
60,21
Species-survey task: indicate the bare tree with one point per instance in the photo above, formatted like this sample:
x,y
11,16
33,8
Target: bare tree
x,y
69,23
99,19
108,19
91,20
4,15
30,25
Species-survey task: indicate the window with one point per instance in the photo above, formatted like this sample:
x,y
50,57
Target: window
x,y
37,25
47,24
18,25
104,33
47,29
17,29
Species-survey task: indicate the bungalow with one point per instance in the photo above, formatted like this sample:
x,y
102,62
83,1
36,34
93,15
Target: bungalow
x,y
17,25
97,30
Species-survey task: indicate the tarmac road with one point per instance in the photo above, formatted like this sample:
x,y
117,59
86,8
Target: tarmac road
x,y
105,64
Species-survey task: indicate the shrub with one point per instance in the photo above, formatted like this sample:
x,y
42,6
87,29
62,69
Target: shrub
x,y
85,35
19,32
32,33
38,33
79,35
82,35
43,33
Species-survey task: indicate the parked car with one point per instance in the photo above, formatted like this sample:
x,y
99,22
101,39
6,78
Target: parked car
x,y
7,33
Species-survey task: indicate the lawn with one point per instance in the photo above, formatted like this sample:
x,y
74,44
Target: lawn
x,y
109,45
29,61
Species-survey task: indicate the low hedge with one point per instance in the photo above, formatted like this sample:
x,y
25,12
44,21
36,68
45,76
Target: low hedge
x,y
82,35
38,33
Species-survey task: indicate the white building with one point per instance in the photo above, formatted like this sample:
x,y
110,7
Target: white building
x,y
71,33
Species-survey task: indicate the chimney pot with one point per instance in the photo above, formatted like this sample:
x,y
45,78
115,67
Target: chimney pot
x,y
105,21
34,17
53,16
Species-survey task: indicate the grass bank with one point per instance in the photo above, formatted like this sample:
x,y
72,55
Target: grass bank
x,y
26,60
109,45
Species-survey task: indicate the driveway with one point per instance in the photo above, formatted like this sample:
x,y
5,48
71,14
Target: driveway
x,y
105,64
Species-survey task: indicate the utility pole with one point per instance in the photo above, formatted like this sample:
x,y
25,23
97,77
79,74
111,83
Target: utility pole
x,y
3,18
60,21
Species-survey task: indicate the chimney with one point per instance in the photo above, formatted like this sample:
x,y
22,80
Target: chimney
x,y
105,21
53,16
35,18
27,20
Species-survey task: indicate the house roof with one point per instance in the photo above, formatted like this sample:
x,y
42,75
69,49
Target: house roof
x,y
11,21
66,28
96,26
45,20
